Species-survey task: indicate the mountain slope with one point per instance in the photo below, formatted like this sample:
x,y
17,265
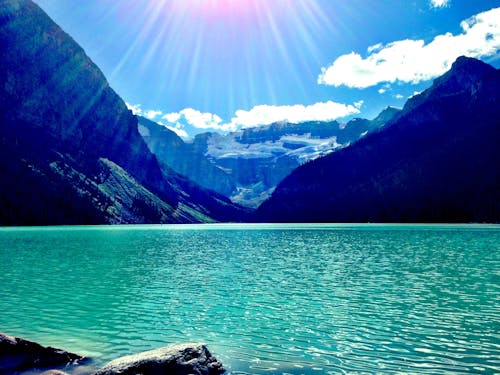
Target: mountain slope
x,y
61,126
247,165
171,150
436,161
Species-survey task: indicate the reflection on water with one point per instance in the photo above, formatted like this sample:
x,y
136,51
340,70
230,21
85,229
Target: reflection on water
x,y
266,299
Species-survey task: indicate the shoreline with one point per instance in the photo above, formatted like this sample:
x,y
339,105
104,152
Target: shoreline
x,y
258,226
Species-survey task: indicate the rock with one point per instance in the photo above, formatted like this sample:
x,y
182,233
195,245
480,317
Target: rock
x,y
17,354
182,359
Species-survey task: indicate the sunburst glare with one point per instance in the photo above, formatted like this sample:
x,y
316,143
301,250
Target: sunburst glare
x,y
259,39
224,56
249,186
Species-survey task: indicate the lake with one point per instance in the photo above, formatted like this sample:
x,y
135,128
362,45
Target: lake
x,y
267,299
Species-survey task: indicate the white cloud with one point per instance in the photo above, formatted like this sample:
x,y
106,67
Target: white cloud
x,y
177,129
201,120
180,132
384,88
172,117
375,47
357,105
439,3
399,96
257,116
135,108
151,114
268,114
138,111
413,61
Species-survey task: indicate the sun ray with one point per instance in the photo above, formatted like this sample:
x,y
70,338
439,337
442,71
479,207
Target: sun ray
x,y
217,53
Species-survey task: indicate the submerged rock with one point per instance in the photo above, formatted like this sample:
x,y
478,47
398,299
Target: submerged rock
x,y
182,359
17,354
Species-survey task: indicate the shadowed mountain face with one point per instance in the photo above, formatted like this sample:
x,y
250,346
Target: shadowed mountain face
x,y
70,151
436,161
247,165
170,149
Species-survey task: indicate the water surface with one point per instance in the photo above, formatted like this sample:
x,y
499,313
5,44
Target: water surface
x,y
267,299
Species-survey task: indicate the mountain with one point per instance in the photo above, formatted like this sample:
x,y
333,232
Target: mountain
x,y
247,165
435,161
171,150
70,151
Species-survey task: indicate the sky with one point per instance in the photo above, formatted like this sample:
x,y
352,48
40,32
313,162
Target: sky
x,y
223,65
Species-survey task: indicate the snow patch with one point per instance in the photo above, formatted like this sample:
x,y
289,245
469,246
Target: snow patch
x,y
308,147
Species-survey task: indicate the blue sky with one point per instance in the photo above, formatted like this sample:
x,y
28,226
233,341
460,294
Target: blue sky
x,y
204,65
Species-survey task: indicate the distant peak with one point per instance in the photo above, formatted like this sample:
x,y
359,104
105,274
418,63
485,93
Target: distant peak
x,y
387,114
468,62
390,109
464,71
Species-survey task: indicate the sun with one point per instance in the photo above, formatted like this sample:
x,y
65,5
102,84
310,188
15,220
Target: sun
x,y
217,51
224,9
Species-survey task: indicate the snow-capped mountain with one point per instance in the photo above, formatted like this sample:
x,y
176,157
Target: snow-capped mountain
x,y
247,165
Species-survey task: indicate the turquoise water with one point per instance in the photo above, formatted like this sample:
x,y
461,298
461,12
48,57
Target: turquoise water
x,y
267,299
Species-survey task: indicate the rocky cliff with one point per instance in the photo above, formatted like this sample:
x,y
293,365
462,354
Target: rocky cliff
x,y
60,125
185,159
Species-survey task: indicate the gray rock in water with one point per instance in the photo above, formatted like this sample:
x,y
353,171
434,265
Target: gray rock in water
x,y
182,359
18,355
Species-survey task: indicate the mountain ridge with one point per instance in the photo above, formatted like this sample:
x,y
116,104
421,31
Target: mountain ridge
x,y
62,125
247,165
72,153
428,164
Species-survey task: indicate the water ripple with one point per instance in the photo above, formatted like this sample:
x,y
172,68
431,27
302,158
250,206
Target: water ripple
x,y
267,300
